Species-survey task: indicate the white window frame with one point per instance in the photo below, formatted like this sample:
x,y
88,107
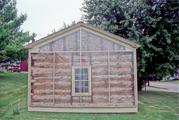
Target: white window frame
x,y
73,81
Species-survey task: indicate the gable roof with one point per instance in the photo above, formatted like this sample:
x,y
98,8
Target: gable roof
x,y
78,25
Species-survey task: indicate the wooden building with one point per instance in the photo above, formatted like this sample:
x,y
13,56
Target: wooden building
x,y
82,69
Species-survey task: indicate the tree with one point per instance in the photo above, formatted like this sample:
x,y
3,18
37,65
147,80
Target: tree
x,y
12,37
154,24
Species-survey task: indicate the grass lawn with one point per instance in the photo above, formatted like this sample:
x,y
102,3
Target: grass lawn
x,y
13,104
172,81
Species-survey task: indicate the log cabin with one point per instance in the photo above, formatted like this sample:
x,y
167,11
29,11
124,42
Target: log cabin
x,y
82,69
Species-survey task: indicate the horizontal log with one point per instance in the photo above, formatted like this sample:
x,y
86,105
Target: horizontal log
x,y
63,87
59,83
49,66
105,85
121,64
99,85
62,96
50,75
101,77
82,64
62,93
112,77
42,97
61,78
115,69
121,77
42,56
62,73
63,83
123,101
42,71
98,104
99,72
121,85
63,60
41,87
41,104
43,65
114,96
41,80
120,73
42,92
50,70
121,92
112,89
41,75
63,66
63,101
115,65
42,100
50,97
42,83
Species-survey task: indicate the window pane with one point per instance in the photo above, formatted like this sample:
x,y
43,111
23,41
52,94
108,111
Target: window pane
x,y
85,77
77,90
81,80
77,71
85,89
81,77
78,84
77,77
84,83
85,71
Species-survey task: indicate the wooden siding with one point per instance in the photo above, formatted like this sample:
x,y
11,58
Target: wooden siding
x,y
112,79
89,41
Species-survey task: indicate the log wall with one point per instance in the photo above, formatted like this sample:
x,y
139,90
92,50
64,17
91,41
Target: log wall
x,y
112,78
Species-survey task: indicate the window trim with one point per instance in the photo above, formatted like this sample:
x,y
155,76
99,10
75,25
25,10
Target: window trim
x,y
73,81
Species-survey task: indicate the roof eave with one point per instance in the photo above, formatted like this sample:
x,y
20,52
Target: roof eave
x,y
81,24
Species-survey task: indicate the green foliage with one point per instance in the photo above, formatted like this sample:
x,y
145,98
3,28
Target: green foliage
x,y
12,37
154,24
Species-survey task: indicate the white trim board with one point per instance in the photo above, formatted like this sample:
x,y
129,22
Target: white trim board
x,y
85,110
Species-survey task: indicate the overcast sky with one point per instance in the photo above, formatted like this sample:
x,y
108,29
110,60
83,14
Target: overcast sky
x,y
43,16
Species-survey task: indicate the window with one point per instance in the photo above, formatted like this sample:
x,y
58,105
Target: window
x,y
81,81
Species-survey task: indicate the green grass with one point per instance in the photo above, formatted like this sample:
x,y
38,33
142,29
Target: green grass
x,y
171,81
13,104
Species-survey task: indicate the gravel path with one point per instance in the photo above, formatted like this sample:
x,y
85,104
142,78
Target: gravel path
x,y
163,86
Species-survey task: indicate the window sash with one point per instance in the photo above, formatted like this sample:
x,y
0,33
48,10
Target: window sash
x,y
82,85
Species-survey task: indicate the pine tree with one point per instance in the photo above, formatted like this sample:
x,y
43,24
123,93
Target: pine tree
x,y
12,37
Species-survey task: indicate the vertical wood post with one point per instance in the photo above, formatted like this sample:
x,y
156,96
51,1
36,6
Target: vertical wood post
x,y
109,79
71,98
53,77
80,58
135,79
29,78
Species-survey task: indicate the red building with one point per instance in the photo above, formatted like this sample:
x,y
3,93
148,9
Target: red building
x,y
24,65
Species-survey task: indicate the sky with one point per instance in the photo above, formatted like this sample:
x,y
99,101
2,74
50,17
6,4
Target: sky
x,y
44,16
